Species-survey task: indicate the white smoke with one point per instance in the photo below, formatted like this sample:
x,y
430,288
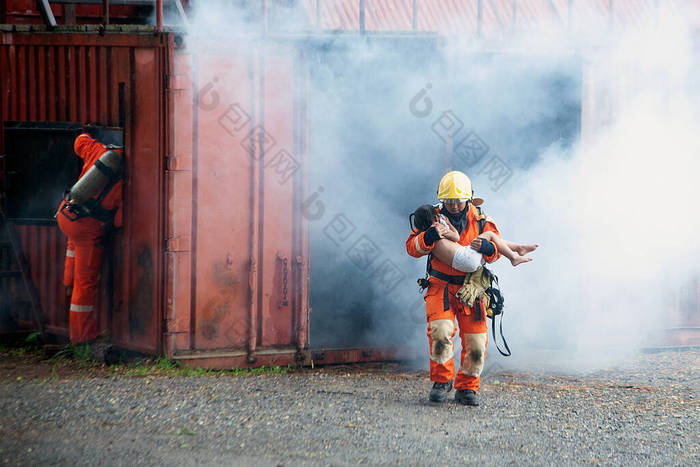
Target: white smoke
x,y
615,217
613,214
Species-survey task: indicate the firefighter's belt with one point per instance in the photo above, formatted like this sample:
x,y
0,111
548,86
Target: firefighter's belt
x,y
91,209
449,280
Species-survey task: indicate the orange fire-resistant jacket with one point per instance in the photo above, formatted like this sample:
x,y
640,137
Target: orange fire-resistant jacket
x,y
416,247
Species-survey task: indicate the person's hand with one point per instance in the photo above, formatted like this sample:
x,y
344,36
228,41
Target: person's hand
x,y
476,244
449,222
452,235
441,229
69,291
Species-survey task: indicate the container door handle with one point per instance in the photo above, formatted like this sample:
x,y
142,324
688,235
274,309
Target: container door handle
x,y
285,278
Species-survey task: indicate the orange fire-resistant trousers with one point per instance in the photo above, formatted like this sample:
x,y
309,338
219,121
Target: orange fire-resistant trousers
x,y
441,331
82,272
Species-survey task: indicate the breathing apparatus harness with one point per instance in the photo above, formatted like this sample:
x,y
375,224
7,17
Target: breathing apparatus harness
x,y
493,296
92,207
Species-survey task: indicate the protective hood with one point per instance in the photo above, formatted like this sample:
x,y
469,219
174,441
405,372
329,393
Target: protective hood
x,y
82,141
459,220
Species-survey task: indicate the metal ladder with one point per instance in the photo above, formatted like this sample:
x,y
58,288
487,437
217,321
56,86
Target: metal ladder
x,y
16,286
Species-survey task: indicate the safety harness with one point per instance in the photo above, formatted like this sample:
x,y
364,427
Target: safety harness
x,y
93,206
494,304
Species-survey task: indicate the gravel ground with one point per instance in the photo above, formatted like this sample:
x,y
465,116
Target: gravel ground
x,y
645,412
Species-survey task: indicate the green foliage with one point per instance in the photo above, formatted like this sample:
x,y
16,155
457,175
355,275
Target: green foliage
x,y
263,370
163,366
166,363
77,352
33,340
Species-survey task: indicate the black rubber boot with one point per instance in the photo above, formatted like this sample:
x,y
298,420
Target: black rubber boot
x,y
104,352
439,391
466,397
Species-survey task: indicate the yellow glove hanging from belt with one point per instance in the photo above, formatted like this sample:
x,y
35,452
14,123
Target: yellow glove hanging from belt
x,y
475,285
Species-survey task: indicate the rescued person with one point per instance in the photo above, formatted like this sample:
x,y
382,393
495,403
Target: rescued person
x,y
463,258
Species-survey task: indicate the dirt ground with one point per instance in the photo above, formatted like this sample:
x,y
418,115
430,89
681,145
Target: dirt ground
x,y
72,413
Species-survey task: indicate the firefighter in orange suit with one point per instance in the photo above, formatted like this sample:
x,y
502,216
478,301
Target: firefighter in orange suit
x,y
442,306
85,229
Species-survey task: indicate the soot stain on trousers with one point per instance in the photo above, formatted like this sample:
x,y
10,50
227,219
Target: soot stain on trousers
x,y
476,355
442,347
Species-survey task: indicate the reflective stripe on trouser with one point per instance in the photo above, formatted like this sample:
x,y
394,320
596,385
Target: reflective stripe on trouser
x,y
85,238
472,332
69,265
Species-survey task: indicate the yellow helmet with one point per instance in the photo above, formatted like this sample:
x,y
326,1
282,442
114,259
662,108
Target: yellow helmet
x,y
456,185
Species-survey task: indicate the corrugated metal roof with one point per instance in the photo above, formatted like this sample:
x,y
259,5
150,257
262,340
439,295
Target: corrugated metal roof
x,y
488,17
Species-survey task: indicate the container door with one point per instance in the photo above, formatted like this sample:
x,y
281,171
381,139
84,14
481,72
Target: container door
x,y
235,256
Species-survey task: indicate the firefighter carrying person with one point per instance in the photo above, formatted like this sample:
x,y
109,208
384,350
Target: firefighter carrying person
x,y
443,305
89,211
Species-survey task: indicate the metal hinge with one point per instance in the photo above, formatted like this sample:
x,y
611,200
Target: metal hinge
x,y
175,163
178,82
174,244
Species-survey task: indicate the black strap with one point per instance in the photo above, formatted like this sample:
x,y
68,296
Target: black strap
x,y
496,305
93,207
482,220
106,170
446,277
446,299
102,214
95,204
448,280
493,331
73,212
459,280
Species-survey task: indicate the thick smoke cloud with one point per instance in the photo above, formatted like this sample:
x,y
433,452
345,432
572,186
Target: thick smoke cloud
x,y
595,132
617,209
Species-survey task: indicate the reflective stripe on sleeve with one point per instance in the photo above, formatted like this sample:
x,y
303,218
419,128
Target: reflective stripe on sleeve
x,y
80,308
70,253
417,244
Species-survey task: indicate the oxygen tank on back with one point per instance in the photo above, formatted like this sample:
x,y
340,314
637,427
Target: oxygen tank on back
x,y
107,169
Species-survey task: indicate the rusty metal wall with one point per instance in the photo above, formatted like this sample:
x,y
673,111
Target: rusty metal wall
x,y
44,250
26,12
115,80
236,256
